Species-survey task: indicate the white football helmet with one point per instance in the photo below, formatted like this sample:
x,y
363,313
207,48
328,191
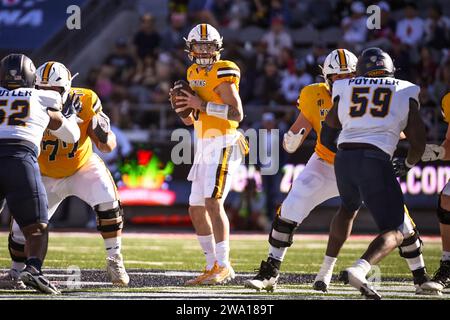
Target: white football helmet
x,y
204,45
55,74
339,61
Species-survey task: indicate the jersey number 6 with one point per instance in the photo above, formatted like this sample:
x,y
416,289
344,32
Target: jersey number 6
x,y
381,100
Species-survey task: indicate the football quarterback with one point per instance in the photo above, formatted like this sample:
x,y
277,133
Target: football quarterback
x,y
216,110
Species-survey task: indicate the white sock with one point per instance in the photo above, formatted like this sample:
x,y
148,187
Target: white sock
x,y
445,256
416,263
18,266
326,270
113,246
363,265
208,246
223,253
277,253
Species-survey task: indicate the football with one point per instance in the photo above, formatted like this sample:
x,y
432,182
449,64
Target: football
x,y
178,86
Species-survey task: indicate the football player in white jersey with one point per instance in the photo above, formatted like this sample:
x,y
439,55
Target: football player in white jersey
x,y
317,183
74,170
26,113
369,112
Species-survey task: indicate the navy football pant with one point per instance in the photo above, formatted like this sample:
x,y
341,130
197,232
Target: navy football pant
x,y
21,185
367,175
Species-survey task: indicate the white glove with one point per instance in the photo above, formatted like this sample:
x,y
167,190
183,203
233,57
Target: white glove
x,y
433,152
291,140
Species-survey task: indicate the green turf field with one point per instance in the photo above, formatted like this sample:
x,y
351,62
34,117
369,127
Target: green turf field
x,y
305,256
153,257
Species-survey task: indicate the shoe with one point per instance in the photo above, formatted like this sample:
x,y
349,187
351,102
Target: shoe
x,y
201,279
221,275
356,279
440,280
116,270
11,280
420,277
322,280
35,279
266,278
320,285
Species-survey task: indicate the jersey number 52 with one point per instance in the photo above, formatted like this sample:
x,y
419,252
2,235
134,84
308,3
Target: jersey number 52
x,y
380,102
16,118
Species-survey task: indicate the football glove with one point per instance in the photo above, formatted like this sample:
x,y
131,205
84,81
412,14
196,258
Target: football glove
x,y
291,140
101,126
401,166
72,105
433,152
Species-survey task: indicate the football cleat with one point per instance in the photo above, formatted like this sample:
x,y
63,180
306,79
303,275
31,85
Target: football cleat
x,y
357,280
266,278
11,280
202,278
35,279
116,270
440,280
323,279
221,275
419,279
320,285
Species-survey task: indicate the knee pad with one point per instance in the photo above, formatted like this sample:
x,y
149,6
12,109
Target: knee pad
x,y
16,250
411,247
443,215
282,233
109,216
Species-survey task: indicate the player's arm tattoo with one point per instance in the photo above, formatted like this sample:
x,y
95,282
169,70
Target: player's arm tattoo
x,y
234,113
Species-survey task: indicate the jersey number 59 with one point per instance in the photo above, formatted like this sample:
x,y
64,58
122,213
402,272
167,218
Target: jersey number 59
x,y
381,100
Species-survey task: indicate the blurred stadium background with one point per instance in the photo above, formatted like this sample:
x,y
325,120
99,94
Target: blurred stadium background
x,y
131,51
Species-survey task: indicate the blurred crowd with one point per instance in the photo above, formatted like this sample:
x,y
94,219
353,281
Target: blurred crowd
x,y
276,62
274,68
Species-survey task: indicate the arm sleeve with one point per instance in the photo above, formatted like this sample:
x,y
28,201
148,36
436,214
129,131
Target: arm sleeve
x,y
51,100
68,131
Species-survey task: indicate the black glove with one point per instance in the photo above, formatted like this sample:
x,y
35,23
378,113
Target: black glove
x,y
72,105
401,167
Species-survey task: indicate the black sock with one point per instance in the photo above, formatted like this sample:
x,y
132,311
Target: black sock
x,y
35,262
419,272
276,263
